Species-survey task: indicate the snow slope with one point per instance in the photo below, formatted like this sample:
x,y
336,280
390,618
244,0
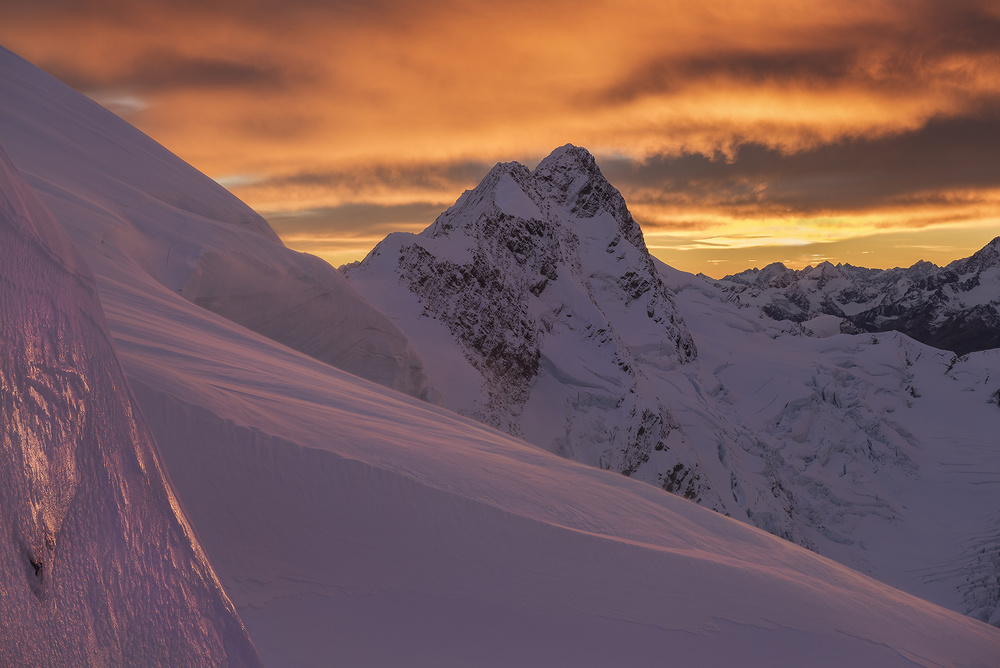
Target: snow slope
x,y
135,206
352,524
96,556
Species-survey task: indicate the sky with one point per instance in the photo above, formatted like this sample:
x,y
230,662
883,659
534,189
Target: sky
x,y
740,132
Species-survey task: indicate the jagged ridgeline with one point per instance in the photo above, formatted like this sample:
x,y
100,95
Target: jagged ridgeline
x,y
954,308
543,280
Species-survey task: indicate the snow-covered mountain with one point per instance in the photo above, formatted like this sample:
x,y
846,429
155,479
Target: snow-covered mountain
x,y
954,308
352,524
96,555
539,310
535,302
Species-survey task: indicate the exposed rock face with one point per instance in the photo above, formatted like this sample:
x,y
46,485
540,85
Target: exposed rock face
x,y
955,308
543,281
99,565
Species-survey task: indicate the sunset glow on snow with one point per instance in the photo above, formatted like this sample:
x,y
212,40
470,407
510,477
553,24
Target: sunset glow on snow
x,y
739,133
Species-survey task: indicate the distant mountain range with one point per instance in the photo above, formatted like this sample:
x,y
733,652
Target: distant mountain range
x,y
955,308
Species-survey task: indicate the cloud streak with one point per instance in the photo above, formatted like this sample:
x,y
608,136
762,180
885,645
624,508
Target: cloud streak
x,y
162,70
945,162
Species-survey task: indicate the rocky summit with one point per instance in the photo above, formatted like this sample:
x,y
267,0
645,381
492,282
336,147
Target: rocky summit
x,y
543,281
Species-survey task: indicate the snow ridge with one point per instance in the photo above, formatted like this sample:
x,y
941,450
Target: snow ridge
x,y
128,202
95,551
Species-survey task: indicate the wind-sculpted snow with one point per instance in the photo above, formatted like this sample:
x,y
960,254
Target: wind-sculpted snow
x,y
301,301
99,566
542,280
955,308
129,203
353,524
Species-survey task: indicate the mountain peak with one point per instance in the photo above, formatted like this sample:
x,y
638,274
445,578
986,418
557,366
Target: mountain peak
x,y
566,189
984,258
569,156
528,275
530,227
775,274
572,177
990,252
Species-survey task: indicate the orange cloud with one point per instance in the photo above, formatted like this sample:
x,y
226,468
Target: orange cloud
x,y
782,113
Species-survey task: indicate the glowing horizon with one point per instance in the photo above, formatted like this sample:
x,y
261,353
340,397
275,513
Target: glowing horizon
x,y
737,133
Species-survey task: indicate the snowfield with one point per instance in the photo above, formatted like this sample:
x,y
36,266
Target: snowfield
x,y
354,524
